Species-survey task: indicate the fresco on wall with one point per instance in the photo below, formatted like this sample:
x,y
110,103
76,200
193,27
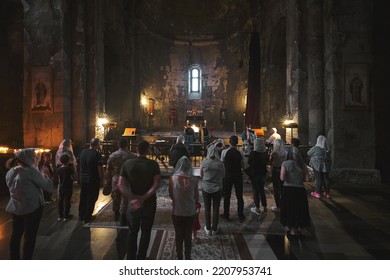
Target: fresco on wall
x,y
356,87
41,89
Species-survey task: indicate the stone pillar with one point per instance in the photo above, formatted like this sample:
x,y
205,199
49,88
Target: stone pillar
x,y
94,65
131,102
294,57
315,62
353,156
46,52
79,111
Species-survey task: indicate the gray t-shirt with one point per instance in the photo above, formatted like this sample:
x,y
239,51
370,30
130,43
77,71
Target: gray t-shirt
x,y
184,195
294,174
213,172
319,159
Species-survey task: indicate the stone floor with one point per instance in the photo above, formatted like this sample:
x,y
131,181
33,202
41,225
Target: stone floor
x,y
354,224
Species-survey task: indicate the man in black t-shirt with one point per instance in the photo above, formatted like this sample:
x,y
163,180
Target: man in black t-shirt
x,y
91,177
139,180
233,160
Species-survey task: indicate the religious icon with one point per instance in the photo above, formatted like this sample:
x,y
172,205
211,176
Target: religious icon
x,y
356,87
41,91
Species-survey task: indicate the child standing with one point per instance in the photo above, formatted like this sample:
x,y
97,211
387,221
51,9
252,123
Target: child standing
x,y
64,177
46,168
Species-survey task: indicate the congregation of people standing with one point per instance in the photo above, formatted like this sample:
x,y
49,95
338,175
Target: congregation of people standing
x,y
135,180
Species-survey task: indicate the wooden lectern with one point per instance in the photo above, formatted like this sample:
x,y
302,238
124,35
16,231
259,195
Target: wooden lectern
x,y
130,133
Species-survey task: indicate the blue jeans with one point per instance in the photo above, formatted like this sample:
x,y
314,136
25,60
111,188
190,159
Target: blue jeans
x,y
208,199
142,218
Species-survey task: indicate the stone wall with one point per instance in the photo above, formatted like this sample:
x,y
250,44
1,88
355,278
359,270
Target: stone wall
x,y
11,74
348,41
160,54
273,79
104,55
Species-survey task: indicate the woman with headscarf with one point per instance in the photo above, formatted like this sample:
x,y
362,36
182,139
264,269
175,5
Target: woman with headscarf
x,y
258,160
320,162
294,211
65,147
219,144
278,155
25,183
183,190
212,172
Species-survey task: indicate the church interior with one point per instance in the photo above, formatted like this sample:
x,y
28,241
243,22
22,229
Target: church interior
x,y
149,69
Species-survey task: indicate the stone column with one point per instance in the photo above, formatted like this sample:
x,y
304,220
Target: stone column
x,y
295,74
94,65
131,100
46,49
315,62
79,111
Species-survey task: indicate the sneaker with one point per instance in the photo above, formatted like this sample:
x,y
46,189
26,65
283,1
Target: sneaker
x,y
315,194
215,232
255,211
207,231
327,195
67,218
275,209
59,218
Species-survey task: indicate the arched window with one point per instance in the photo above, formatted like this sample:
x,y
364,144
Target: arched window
x,y
195,83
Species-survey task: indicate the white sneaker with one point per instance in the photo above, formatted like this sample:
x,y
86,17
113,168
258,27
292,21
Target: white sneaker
x,y
254,210
215,232
275,209
208,232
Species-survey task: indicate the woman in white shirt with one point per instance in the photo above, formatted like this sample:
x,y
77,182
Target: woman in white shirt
x,y
183,190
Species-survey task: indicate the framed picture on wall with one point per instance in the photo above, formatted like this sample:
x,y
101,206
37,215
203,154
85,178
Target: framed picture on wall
x,y
356,87
41,89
